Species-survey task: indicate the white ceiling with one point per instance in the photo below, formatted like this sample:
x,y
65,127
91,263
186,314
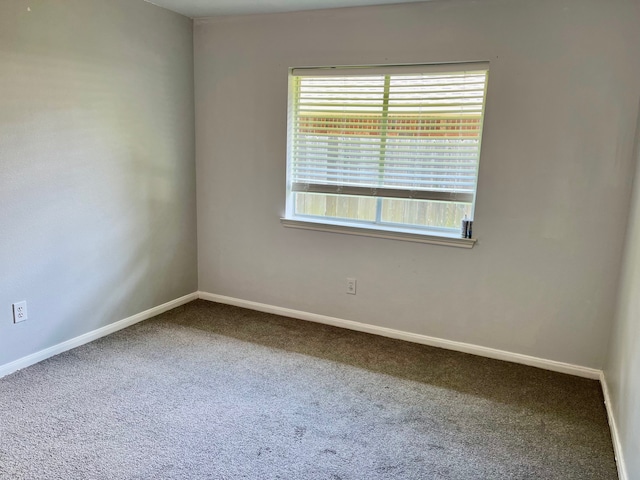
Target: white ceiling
x,y
210,8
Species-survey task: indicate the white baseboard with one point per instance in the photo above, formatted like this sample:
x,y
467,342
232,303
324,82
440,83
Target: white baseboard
x,y
615,437
410,337
34,358
338,322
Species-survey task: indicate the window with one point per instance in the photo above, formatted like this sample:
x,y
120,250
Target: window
x,y
385,148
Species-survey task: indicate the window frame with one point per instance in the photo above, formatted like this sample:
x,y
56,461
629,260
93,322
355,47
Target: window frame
x,y
379,227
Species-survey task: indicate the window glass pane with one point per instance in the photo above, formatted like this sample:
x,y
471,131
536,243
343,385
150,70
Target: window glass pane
x,y
336,206
426,213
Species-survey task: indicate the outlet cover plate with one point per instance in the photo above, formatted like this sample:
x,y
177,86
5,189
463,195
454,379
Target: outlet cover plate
x,y
20,312
351,286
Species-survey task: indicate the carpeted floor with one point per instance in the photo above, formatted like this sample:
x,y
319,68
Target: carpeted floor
x,y
208,391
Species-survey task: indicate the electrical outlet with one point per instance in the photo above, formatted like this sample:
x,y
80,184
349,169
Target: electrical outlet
x,y
351,286
20,312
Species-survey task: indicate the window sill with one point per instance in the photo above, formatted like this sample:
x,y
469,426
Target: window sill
x,y
388,233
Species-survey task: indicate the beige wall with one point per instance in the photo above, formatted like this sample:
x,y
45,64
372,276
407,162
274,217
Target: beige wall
x,y
554,184
622,370
97,166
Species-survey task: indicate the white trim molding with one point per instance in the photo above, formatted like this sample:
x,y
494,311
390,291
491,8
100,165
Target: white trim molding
x,y
34,358
552,365
615,436
388,233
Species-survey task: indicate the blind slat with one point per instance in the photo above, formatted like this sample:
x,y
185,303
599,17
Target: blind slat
x,y
464,197
374,142
444,134
440,69
331,151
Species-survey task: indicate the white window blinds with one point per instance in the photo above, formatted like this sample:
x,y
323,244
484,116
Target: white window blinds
x,y
395,132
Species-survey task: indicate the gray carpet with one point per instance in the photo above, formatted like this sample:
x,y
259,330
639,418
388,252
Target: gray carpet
x,y
208,391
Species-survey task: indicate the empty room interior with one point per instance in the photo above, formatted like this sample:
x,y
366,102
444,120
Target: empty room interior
x,y
320,239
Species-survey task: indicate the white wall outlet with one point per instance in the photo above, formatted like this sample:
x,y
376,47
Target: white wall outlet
x,y
351,286
20,312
